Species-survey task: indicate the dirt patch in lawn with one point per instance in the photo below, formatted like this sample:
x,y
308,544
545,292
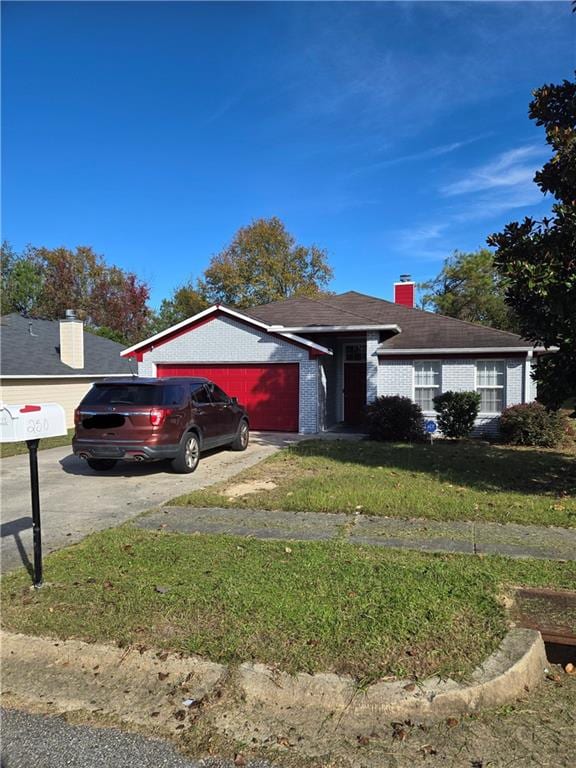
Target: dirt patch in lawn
x,y
236,490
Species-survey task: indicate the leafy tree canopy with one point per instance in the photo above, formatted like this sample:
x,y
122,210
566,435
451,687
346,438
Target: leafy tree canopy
x,y
44,282
538,258
468,287
264,263
186,301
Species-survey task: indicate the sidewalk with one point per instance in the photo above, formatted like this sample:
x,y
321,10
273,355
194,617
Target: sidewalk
x,y
473,538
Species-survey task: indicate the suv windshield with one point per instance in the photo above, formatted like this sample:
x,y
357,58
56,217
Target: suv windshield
x,y
134,394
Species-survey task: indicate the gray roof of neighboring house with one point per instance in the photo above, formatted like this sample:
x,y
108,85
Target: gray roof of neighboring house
x,y
419,329
32,348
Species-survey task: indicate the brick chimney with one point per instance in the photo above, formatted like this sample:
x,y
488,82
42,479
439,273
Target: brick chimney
x,y
72,340
405,291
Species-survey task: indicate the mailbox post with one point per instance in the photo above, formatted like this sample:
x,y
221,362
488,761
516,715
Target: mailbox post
x,y
29,423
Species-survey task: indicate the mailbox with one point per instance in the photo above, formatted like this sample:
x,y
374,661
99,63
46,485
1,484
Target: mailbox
x,y
31,422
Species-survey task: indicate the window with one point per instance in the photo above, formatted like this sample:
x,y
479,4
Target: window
x,y
200,395
218,395
426,383
490,384
354,353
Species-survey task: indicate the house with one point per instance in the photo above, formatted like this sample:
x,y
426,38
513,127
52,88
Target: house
x,y
54,361
306,364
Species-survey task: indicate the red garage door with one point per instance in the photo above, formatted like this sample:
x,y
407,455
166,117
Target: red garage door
x,y
270,392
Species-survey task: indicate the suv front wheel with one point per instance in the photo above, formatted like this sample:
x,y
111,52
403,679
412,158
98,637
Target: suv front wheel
x,y
188,456
240,442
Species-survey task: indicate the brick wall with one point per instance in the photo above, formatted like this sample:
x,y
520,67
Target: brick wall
x,y
396,377
224,340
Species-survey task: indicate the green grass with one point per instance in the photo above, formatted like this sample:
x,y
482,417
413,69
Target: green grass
x,y
15,449
446,481
302,606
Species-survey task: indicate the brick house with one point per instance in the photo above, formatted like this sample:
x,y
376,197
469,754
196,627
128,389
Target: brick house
x,y
306,364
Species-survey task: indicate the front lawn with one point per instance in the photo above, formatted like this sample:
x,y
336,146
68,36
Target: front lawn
x,y
446,481
15,449
299,605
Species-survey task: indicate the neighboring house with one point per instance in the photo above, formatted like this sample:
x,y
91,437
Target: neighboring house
x,y
53,361
306,364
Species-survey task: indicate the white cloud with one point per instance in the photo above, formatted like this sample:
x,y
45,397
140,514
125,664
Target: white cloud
x,y
425,154
512,169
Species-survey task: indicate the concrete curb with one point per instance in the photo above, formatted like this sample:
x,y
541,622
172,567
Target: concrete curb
x,y
69,675
516,666
149,688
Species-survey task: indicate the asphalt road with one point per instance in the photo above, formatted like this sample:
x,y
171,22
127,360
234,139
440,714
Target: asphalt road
x,y
75,500
37,741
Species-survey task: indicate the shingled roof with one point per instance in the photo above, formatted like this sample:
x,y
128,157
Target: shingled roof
x,y
32,348
419,329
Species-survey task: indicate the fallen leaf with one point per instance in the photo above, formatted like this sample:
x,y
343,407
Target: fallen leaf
x,y
154,714
363,741
180,714
410,687
239,759
162,656
161,590
288,550
282,741
163,675
451,722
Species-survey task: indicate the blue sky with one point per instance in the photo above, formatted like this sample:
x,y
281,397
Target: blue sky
x,y
388,133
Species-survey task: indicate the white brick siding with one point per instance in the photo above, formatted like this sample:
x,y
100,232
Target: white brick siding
x,y
308,417
372,340
396,377
224,340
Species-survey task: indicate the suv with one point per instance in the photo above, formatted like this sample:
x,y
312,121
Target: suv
x,y
152,419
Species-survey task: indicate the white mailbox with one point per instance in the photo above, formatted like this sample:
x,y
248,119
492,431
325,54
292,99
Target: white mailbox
x,y
31,422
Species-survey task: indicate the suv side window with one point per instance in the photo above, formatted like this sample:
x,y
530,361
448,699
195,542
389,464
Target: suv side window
x,y
173,394
218,395
199,394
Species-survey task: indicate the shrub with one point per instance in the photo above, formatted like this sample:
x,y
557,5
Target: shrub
x,y
457,412
394,418
532,424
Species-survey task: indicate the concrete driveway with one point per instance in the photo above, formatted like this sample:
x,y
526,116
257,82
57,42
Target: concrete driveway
x,y
75,500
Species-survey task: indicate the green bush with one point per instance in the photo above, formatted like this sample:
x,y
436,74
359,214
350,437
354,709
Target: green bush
x,y
394,418
457,412
532,424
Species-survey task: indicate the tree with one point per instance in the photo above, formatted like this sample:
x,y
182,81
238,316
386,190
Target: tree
x,y
263,263
21,281
44,282
538,258
186,301
469,287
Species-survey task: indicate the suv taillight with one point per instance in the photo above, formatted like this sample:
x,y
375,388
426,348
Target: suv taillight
x,y
158,416
77,416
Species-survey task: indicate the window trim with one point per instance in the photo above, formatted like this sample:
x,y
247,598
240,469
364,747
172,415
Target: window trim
x,y
430,386
479,387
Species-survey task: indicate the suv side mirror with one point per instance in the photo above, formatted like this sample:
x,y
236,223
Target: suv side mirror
x,y
233,401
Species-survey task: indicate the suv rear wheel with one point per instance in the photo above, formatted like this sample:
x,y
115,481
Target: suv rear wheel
x,y
101,465
188,456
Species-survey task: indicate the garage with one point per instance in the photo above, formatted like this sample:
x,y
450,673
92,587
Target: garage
x,y
270,391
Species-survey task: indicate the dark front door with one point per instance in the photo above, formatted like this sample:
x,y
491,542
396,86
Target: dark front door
x,y
354,392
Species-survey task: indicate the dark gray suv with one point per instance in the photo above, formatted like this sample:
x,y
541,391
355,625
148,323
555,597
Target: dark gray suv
x,y
141,419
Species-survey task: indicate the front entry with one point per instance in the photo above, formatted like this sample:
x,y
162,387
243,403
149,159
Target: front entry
x,y
354,392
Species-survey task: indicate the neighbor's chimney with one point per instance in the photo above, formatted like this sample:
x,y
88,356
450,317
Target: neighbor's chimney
x,y
405,291
72,340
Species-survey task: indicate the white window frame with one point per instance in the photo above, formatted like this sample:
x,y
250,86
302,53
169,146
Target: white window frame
x,y
479,387
429,386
